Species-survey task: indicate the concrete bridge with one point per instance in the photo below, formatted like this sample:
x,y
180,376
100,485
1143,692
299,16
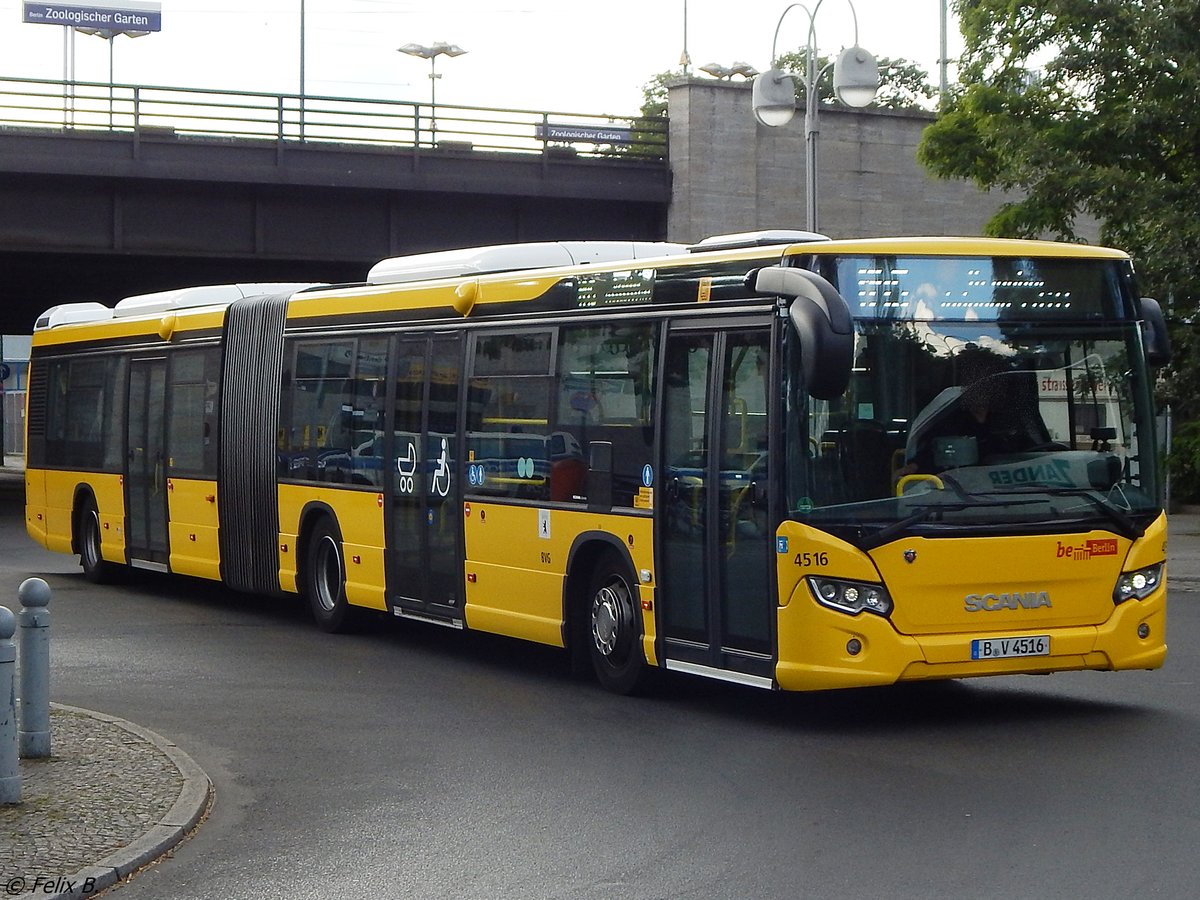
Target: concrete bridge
x,y
109,192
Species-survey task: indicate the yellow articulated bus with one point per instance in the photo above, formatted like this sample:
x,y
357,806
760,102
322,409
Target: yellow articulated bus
x,y
772,458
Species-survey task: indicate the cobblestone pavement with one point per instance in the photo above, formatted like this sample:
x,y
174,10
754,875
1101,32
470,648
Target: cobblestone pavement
x,y
102,788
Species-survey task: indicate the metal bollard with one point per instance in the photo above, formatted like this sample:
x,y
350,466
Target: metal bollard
x,y
34,620
10,763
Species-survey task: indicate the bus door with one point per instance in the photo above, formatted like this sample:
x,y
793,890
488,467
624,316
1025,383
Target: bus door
x,y
426,521
716,607
145,475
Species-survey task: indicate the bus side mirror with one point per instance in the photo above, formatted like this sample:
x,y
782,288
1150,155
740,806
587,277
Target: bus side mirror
x,y
1154,334
822,320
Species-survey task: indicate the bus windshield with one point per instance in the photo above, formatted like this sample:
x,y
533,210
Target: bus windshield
x,y
997,398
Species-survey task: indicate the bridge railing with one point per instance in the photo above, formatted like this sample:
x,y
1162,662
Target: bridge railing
x,y
188,113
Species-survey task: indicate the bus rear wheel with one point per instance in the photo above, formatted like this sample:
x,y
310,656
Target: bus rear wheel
x,y
88,537
613,617
325,578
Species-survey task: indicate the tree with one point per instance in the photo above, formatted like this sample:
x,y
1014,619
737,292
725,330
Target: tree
x,y
1089,106
654,94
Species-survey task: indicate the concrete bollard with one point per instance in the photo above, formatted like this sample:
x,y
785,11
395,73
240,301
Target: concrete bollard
x,y
10,763
34,620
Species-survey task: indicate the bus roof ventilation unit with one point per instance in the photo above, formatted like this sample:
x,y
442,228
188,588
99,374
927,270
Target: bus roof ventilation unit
x,y
756,239
206,295
513,257
72,314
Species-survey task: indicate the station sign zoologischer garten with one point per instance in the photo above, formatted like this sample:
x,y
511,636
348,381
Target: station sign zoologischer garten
x,y
129,15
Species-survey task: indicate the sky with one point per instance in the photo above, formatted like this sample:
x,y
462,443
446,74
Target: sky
x,y
546,55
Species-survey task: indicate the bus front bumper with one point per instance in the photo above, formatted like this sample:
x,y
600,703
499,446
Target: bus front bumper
x,y
820,649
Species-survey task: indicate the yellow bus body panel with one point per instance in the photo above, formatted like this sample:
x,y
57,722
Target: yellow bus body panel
x,y
518,557
35,505
181,321
381,298
193,528
1086,629
54,529
930,593
360,518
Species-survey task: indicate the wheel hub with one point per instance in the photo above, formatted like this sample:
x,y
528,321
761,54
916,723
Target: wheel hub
x,y
606,620
329,574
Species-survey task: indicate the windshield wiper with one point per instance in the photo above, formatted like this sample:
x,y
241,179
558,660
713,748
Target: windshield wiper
x,y
925,512
1126,526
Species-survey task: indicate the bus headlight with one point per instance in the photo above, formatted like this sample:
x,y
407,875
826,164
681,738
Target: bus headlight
x,y
1139,584
851,597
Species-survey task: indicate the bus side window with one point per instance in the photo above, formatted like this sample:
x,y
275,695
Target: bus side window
x,y
321,411
192,413
84,410
367,462
508,418
605,392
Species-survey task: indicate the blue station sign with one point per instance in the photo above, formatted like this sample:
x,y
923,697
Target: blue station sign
x,y
130,15
585,134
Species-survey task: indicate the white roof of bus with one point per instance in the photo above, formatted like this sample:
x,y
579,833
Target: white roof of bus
x,y
514,257
204,295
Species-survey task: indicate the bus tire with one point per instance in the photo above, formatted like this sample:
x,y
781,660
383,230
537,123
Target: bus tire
x,y
613,618
88,535
325,577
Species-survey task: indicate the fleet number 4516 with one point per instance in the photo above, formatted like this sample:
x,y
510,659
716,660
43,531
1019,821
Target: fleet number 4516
x,y
812,560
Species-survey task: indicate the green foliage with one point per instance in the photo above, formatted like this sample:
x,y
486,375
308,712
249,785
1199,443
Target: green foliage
x,y
1084,106
1184,464
1088,106
654,94
1180,388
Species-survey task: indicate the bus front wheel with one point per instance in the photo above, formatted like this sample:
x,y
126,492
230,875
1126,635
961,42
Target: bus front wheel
x,y
613,617
325,578
88,537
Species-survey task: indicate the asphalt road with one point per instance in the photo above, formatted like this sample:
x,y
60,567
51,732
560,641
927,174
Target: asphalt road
x,y
412,761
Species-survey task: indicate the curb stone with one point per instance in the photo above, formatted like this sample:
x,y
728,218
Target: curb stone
x,y
179,820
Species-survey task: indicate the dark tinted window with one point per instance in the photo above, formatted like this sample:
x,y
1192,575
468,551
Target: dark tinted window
x,y
192,409
85,413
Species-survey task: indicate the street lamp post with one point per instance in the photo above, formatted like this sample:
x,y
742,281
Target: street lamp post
x,y
431,53
110,35
855,83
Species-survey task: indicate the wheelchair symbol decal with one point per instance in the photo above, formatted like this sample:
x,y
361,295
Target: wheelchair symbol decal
x,y
441,477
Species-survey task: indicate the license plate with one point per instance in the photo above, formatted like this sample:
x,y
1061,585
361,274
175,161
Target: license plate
x,y
1006,648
